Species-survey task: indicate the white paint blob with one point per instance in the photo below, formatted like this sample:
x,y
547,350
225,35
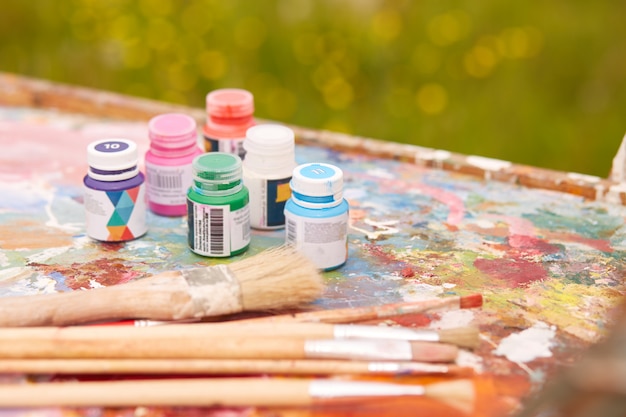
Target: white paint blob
x,y
453,318
528,344
488,164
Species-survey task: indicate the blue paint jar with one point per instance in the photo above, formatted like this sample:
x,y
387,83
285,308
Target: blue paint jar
x,y
316,215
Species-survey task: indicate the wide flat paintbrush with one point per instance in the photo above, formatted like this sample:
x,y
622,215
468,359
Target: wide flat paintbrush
x,y
467,337
276,278
459,394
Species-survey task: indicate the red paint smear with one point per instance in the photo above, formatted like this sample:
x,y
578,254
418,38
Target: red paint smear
x,y
598,244
413,320
454,203
532,244
517,272
103,271
407,272
378,252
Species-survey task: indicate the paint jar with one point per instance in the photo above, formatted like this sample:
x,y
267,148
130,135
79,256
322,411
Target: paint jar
x,y
114,191
230,112
270,161
316,215
218,211
173,146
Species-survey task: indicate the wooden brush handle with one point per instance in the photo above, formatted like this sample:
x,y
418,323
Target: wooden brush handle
x,y
162,297
232,348
225,367
168,392
180,331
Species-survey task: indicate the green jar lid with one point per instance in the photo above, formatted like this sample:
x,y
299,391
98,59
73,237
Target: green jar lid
x,y
217,171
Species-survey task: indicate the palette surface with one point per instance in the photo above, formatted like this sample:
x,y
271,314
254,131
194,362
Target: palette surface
x,y
550,265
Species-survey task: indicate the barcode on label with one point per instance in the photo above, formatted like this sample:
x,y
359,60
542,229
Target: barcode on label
x,y
290,229
246,230
216,233
167,182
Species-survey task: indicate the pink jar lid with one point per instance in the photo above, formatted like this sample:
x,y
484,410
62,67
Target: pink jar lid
x,y
230,102
172,130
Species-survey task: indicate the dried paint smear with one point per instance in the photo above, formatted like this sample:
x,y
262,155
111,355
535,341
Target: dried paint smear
x,y
528,344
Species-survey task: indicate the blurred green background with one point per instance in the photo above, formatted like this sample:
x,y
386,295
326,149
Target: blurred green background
x,y
537,83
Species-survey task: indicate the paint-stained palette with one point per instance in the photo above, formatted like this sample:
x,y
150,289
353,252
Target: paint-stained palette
x,y
550,264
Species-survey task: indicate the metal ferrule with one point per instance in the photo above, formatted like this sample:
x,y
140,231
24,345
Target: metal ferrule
x,y
358,349
351,331
346,389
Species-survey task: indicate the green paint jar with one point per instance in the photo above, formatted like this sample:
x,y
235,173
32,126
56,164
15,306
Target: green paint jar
x,y
218,213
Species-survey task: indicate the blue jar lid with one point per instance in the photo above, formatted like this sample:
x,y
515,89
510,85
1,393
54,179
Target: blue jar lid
x,y
318,180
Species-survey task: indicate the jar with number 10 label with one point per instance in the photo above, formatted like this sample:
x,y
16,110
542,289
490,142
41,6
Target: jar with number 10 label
x,y
114,192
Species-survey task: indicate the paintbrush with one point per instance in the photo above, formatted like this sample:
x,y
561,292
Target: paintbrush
x,y
467,337
274,279
231,348
226,367
225,392
345,315
367,313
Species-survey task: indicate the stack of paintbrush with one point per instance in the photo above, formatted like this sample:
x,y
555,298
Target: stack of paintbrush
x,y
294,345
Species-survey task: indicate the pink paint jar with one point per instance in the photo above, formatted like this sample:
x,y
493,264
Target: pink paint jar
x,y
230,112
173,146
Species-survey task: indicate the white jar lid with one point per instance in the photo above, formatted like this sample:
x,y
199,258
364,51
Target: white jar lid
x,y
269,139
112,159
270,149
318,180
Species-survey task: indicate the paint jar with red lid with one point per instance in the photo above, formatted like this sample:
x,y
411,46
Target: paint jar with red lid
x,y
230,112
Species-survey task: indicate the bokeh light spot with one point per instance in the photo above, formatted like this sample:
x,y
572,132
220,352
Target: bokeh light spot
x,y
152,8
432,98
480,61
448,28
196,18
323,73
518,43
338,93
387,24
123,27
160,34
281,103
212,64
